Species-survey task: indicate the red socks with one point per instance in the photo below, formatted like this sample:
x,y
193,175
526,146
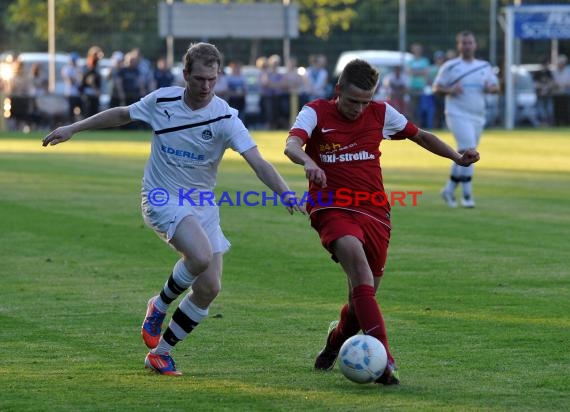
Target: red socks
x,y
347,326
368,314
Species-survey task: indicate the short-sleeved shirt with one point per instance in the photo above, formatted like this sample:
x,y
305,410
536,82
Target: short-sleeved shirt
x,y
472,76
418,82
187,145
349,154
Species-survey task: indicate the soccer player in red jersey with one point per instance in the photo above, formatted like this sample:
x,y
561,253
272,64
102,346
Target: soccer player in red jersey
x,y
342,140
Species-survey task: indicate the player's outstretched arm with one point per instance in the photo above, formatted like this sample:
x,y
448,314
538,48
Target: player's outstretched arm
x,y
272,179
294,151
116,116
435,145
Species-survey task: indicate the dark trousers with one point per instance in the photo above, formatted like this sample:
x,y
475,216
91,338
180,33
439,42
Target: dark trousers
x,y
561,103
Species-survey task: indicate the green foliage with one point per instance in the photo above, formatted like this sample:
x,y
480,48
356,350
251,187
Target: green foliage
x,y
111,24
326,26
476,301
321,17
318,17
31,23
80,23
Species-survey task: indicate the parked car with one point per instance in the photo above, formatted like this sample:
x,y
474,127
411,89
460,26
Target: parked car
x,y
525,100
23,109
28,59
383,60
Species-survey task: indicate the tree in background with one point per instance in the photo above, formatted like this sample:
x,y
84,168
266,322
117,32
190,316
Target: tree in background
x,y
120,24
326,26
111,24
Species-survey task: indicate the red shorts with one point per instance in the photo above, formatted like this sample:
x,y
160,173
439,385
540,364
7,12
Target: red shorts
x,y
332,224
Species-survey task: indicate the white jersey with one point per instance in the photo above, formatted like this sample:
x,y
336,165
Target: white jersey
x,y
472,76
187,145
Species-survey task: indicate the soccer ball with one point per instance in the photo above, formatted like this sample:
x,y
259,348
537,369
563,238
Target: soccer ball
x,y
362,359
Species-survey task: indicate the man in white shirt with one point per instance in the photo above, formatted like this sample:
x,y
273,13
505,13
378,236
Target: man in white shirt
x,y
464,81
192,128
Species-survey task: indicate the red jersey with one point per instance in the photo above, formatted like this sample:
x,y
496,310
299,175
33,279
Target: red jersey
x,y
348,151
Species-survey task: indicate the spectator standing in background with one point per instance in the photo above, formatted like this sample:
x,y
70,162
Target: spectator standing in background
x,y
19,91
317,77
544,85
71,75
273,84
39,85
237,89
264,92
417,71
162,75
221,89
293,88
38,80
129,81
130,85
561,92
145,70
450,54
396,84
438,99
91,81
117,60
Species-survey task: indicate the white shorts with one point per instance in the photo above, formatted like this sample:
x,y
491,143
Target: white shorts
x,y
466,130
165,219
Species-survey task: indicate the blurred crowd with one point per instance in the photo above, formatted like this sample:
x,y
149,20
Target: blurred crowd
x,y
552,84
265,94
284,90
84,86
409,89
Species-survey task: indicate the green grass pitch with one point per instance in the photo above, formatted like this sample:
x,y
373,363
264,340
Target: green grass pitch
x,y
477,302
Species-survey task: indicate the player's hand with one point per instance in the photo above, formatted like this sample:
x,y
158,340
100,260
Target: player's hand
x,y
315,174
468,157
292,204
456,89
59,135
490,88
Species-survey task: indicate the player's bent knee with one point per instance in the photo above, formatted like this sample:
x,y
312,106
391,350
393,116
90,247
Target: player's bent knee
x,y
199,263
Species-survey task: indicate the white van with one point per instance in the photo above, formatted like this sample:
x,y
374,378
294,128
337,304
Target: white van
x,y
383,60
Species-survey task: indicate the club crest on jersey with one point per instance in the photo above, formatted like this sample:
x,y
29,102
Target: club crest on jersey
x,y
207,135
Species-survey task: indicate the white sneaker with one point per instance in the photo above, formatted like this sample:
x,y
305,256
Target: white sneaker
x,y
467,202
449,198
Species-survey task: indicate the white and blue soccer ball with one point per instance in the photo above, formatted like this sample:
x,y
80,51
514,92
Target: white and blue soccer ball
x,y
362,359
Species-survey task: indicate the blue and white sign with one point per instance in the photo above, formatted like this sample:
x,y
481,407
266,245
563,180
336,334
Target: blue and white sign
x,y
544,22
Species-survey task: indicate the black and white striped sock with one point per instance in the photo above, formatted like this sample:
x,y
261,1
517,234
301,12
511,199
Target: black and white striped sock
x,y
178,282
186,317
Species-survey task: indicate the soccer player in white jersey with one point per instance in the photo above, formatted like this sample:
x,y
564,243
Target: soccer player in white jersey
x,y
192,128
464,81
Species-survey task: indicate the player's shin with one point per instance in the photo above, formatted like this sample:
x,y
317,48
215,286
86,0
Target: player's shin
x,y
369,315
347,326
184,320
178,282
